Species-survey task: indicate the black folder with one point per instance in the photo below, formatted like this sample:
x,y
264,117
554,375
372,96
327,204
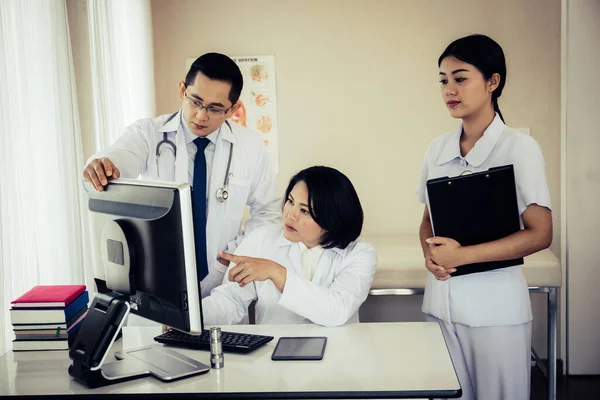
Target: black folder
x,y
476,208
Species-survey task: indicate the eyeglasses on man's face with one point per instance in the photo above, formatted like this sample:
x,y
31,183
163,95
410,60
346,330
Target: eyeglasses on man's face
x,y
212,112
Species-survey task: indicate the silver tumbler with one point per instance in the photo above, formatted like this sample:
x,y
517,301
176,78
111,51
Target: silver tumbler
x,y
216,349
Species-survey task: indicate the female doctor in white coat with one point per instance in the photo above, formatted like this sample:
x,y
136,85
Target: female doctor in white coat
x,y
485,317
238,171
313,268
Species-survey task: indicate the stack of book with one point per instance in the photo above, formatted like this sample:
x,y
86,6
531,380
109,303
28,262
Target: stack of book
x,y
48,317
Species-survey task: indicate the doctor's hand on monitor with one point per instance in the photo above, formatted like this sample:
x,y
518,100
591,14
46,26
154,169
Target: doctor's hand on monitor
x,y
99,171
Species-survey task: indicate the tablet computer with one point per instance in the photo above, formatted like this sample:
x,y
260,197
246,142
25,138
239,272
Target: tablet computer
x,y
299,348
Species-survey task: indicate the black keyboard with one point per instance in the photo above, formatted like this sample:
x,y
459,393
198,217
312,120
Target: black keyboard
x,y
232,342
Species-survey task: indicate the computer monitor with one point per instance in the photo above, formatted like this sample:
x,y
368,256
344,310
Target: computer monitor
x,y
142,237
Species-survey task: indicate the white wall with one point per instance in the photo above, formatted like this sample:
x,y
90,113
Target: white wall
x,y
358,90
357,81
583,185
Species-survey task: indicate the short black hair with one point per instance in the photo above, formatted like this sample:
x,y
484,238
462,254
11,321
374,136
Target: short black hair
x,y
485,54
333,204
218,67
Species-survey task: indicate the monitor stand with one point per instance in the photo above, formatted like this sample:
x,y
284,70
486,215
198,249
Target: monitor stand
x,y
98,332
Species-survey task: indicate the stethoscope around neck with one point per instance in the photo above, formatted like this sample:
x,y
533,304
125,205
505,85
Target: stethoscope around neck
x,y
222,192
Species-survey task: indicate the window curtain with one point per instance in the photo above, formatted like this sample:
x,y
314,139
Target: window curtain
x,y
43,218
122,65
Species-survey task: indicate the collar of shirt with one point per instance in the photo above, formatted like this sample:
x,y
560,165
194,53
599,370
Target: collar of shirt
x,y
313,253
482,149
171,123
190,137
309,258
282,241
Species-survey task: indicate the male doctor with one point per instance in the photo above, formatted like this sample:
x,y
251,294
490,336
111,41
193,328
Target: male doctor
x,y
198,145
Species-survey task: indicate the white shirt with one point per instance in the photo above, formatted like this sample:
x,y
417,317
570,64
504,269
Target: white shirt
x,y
309,259
340,284
501,296
209,151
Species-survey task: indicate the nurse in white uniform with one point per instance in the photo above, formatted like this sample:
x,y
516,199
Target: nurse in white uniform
x,y
485,317
313,268
233,168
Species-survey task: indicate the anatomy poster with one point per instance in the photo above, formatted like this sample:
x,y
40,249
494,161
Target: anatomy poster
x,y
259,107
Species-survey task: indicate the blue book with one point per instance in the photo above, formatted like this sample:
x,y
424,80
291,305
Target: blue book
x,y
49,315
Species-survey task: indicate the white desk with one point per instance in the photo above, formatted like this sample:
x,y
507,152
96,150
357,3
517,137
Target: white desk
x,y
401,271
374,360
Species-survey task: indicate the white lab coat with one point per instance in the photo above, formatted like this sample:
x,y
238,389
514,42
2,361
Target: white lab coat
x,y
252,180
340,284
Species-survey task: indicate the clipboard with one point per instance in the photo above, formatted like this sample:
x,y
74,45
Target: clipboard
x,y
476,208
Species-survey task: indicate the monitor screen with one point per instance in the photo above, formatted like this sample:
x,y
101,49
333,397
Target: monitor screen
x,y
142,237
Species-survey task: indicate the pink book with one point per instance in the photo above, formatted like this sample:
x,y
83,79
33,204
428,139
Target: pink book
x,y
49,296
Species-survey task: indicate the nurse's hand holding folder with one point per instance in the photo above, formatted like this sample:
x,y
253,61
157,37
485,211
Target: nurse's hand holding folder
x,y
447,252
436,268
476,221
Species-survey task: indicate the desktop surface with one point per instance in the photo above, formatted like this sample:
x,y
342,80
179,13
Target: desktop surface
x,y
367,360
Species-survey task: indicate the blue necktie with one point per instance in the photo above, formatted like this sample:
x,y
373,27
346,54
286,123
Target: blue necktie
x,y
199,203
